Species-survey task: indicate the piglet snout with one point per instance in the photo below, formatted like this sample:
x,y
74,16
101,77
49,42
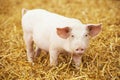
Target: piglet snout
x,y
79,50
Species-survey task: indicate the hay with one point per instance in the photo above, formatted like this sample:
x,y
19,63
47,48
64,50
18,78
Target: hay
x,y
100,62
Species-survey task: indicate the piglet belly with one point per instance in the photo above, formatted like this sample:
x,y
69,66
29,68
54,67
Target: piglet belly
x,y
41,41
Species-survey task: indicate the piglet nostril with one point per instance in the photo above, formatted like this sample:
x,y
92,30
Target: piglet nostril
x,y
79,49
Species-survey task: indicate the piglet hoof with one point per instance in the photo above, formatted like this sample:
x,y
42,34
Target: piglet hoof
x,y
77,67
53,64
31,62
30,59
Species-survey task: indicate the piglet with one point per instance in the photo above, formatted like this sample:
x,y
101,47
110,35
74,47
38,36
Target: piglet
x,y
55,33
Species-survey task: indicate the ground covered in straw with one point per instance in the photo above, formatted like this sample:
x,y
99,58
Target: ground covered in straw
x,y
100,62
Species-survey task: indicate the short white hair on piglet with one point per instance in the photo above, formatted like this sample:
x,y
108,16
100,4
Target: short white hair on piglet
x,y
55,33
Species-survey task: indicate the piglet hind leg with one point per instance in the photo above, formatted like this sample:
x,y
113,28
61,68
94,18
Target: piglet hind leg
x,y
29,46
37,52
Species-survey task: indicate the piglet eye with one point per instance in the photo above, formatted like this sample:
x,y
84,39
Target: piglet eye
x,y
86,35
72,35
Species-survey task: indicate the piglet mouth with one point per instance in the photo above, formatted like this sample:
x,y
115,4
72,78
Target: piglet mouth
x,y
79,53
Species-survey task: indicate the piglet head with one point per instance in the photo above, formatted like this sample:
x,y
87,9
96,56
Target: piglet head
x,y
78,36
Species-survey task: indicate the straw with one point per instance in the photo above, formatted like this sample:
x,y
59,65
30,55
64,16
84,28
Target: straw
x,y
101,61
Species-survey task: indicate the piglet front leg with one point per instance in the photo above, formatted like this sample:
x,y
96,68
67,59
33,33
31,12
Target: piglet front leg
x,y
53,56
77,59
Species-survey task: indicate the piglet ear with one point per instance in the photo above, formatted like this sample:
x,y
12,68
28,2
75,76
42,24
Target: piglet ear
x,y
63,32
94,29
